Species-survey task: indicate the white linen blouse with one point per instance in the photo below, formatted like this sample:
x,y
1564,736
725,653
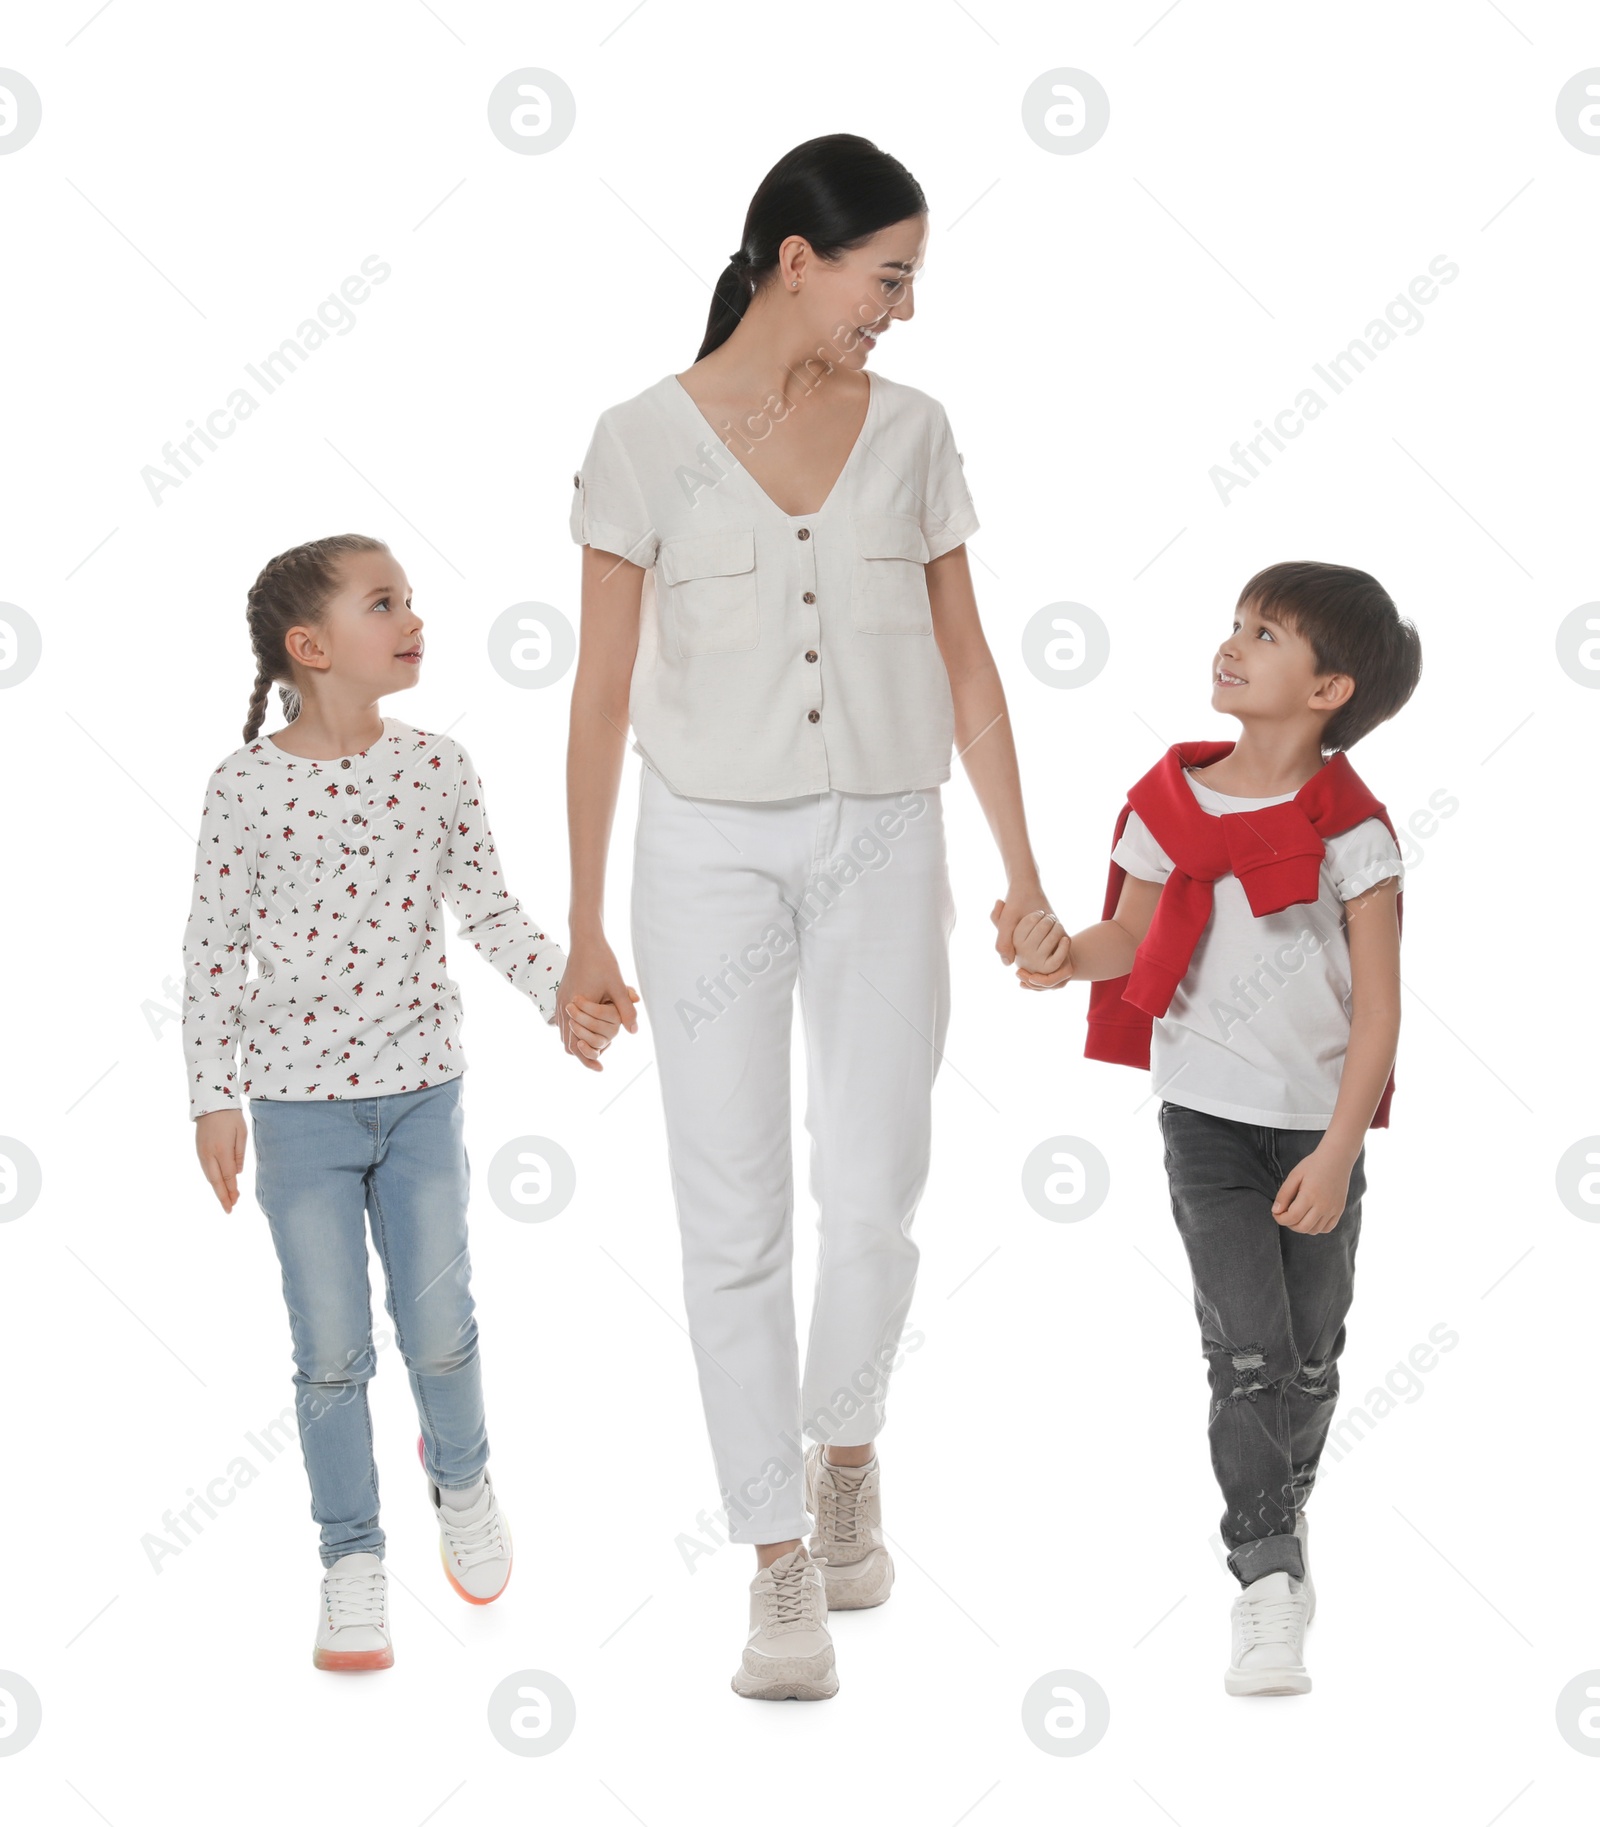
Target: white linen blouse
x,y
781,654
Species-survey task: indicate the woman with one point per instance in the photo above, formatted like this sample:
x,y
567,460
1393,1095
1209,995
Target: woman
x,y
775,591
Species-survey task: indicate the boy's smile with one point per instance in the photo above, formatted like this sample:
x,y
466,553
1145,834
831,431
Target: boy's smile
x,y
1283,666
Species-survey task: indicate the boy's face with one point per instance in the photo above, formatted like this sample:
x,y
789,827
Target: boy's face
x,y
1264,670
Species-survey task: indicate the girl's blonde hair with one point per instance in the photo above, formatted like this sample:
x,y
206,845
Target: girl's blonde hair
x,y
292,591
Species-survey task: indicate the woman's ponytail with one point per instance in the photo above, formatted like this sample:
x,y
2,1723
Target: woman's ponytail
x,y
733,291
837,191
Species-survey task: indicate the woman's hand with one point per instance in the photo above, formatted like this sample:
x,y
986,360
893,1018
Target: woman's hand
x,y
219,1142
592,978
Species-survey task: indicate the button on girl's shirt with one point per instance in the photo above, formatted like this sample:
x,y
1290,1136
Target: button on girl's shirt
x,y
336,890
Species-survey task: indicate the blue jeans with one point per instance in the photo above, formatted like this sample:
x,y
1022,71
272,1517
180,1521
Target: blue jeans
x,y
323,1168
1271,1305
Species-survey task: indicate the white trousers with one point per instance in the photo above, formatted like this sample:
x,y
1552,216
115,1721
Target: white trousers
x,y
734,902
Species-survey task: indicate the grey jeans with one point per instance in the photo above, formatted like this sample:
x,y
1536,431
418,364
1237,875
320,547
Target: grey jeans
x,y
1271,1304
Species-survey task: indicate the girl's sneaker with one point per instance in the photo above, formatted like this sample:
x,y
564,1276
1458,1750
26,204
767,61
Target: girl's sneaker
x,y
475,1545
848,1538
353,1630
789,1655
1269,1630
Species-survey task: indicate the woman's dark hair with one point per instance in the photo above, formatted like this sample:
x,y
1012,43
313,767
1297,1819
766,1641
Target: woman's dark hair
x,y
292,590
1353,627
837,191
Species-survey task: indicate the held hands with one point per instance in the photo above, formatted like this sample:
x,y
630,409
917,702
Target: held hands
x,y
1312,1197
1044,951
593,1000
1032,938
591,1028
219,1142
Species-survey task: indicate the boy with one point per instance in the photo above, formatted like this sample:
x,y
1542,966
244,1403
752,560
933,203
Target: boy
x,y
1249,953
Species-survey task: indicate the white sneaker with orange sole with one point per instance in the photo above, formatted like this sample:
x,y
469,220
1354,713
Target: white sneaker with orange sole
x,y
353,1628
474,1544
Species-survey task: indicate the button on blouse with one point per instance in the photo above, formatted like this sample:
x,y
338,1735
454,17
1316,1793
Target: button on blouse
x,y
781,654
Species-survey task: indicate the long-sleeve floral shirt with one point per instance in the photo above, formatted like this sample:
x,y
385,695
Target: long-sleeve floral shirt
x,y
330,874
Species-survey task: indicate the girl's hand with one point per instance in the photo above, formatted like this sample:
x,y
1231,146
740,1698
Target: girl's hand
x,y
1311,1199
594,1026
593,977
219,1142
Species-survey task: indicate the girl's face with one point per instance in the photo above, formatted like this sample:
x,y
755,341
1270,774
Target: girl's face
x,y
850,302
369,638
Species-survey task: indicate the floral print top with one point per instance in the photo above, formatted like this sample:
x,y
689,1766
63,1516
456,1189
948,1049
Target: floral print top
x,y
330,873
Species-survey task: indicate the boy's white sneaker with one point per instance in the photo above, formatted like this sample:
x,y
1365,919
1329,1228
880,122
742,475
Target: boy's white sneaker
x,y
848,1538
1269,1631
353,1627
474,1544
789,1654
1305,1562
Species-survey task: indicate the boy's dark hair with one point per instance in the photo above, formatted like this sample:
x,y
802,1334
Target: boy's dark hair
x,y
1353,627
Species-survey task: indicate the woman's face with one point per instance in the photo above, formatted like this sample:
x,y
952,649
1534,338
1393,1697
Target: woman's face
x,y
851,301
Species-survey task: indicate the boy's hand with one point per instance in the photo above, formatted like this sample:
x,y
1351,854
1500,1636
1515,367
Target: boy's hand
x,y
1042,944
593,1026
219,1142
1312,1197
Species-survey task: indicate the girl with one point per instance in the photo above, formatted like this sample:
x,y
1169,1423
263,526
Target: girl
x,y
776,592
324,850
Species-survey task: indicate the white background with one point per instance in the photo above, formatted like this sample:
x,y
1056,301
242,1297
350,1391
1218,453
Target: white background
x,y
1100,328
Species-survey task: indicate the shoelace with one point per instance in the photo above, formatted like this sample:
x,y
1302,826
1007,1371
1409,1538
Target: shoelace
x,y
841,1510
1267,1620
794,1595
354,1599
474,1542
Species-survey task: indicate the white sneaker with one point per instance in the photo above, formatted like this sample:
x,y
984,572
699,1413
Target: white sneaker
x,y
848,1538
1305,1562
353,1629
474,1544
789,1655
1269,1630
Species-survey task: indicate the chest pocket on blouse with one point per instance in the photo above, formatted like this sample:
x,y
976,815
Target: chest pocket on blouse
x,y
889,587
709,600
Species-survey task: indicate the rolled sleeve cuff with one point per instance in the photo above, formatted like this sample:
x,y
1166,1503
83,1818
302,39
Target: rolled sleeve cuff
x,y
944,535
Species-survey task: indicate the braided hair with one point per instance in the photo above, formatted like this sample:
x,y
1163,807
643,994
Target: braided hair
x,y
292,591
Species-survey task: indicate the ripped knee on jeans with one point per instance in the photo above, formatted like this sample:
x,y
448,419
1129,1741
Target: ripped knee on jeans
x,y
1249,1372
1313,1378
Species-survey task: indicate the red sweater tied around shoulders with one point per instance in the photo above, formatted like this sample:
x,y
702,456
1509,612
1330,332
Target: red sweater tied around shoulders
x,y
1275,851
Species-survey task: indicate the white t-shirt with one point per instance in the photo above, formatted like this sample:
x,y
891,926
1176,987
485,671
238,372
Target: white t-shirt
x,y
331,873
781,654
1257,1029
